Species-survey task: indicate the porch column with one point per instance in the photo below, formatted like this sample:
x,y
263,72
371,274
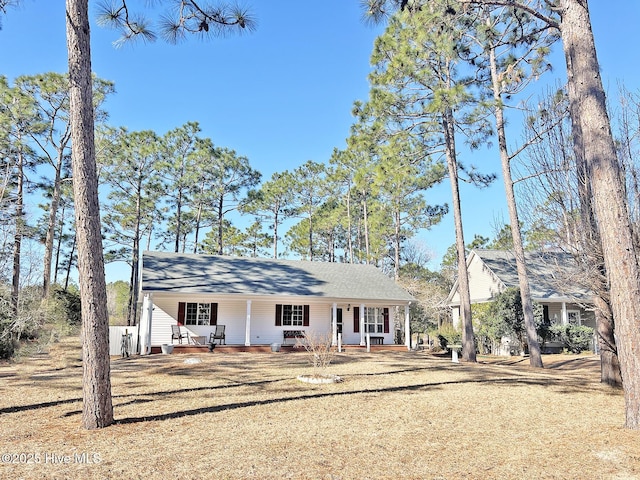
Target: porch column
x,y
362,332
565,317
247,331
334,324
144,330
407,327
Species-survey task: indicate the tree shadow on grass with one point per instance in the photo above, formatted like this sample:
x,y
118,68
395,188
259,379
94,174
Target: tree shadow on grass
x,y
407,388
480,377
578,363
55,403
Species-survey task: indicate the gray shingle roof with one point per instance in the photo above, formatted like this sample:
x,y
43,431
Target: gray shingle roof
x,y
212,274
552,275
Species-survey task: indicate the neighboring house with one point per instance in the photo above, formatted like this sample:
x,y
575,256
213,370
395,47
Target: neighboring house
x,y
553,283
258,299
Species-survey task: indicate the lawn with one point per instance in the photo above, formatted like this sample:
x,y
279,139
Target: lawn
x,y
244,415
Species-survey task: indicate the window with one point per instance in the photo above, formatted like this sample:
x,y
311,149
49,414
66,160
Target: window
x,y
197,314
376,320
373,320
292,315
573,316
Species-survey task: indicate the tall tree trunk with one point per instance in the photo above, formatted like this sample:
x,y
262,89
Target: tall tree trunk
x,y
178,221
17,241
56,263
72,252
198,218
366,225
197,229
220,226
349,234
591,248
97,407
595,146
609,363
51,225
132,310
396,241
468,343
310,237
275,232
535,353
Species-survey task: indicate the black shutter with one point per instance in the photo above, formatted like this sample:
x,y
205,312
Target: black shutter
x,y
385,319
278,315
182,307
356,319
305,315
213,314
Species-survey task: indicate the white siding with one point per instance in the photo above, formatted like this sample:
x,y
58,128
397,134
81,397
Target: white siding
x,y
233,313
483,284
115,339
455,317
162,317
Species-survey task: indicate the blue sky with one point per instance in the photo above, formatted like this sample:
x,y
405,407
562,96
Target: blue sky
x,y
281,95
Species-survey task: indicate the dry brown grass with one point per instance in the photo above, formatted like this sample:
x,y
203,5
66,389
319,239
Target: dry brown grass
x,y
396,415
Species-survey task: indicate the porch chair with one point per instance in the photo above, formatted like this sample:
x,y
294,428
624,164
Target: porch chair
x,y
218,335
176,334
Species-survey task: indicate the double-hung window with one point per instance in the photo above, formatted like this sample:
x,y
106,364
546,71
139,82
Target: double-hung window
x,y
573,317
373,320
292,315
192,313
376,319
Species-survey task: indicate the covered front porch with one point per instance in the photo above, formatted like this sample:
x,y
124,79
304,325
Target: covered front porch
x,y
250,326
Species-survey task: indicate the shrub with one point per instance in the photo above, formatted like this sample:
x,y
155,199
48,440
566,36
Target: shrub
x,y
505,316
576,338
488,328
320,350
37,323
448,335
7,343
69,302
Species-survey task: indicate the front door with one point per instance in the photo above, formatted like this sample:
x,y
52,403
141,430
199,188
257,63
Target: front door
x,y
339,320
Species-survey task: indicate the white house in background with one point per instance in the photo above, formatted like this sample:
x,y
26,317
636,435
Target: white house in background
x,y
262,301
553,280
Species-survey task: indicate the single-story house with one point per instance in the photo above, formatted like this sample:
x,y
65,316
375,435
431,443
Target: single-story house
x,y
553,281
263,301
